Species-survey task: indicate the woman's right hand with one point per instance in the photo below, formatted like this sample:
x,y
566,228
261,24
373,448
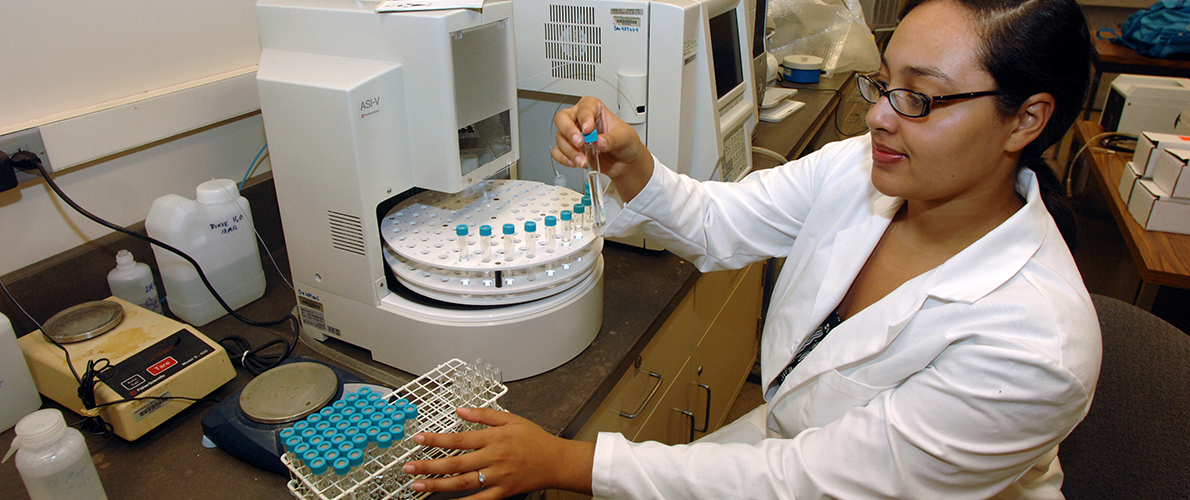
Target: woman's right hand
x,y
622,155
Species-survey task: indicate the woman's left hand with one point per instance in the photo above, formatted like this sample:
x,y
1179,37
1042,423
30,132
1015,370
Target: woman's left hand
x,y
513,455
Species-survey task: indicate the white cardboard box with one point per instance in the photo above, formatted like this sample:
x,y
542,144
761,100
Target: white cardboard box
x,y
1156,210
1148,142
1172,172
1127,180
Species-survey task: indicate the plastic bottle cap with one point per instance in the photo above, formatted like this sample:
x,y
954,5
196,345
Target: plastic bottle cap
x,y
331,455
287,433
586,201
384,440
310,455
356,457
372,433
551,221
345,447
579,208
386,423
399,418
360,441
590,137
410,412
388,410
398,432
461,230
364,391
509,229
124,259
530,227
484,230
292,442
566,215
318,466
339,405
326,412
342,466
301,449
217,192
351,397
301,425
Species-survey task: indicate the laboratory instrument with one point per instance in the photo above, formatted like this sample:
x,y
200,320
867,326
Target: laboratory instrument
x,y
386,132
53,459
18,395
150,356
1142,103
216,230
376,472
674,70
133,281
248,424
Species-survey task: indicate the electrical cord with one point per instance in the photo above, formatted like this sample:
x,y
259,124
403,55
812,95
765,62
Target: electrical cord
x,y
251,359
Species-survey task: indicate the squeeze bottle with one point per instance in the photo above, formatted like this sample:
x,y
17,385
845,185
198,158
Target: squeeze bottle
x,y
133,281
53,459
216,230
18,395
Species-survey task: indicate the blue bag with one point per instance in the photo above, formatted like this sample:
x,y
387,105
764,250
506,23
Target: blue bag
x,y
1160,31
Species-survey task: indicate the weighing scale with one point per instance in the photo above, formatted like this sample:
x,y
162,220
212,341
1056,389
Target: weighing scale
x,y
149,354
248,424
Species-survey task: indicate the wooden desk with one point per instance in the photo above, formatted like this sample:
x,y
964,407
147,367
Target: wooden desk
x,y
1163,259
1114,58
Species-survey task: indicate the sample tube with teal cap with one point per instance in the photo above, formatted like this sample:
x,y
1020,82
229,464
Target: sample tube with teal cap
x,y
318,473
566,229
411,424
580,219
530,239
551,223
509,239
485,242
594,180
461,236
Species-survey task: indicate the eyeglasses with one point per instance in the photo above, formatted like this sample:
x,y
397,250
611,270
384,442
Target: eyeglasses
x,y
910,103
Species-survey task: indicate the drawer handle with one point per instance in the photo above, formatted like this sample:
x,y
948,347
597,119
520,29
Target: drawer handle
x,y
689,414
647,399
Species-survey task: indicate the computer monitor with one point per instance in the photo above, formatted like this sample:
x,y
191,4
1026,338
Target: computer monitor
x,y
674,69
760,63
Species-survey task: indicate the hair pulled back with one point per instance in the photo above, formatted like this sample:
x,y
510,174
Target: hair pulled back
x,y
1031,47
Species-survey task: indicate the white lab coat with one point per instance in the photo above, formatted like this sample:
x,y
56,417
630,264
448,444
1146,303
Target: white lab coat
x,y
958,384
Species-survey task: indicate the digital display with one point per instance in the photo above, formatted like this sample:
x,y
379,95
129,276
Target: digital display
x,y
762,7
725,50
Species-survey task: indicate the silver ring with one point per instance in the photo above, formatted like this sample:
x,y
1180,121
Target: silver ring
x,y
482,478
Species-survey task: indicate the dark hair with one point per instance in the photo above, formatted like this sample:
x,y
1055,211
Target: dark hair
x,y
1030,47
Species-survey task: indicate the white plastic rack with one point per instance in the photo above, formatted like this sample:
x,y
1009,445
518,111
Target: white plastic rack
x,y
437,394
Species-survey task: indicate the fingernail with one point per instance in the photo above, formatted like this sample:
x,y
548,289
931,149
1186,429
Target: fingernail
x,y
408,469
420,439
464,411
419,486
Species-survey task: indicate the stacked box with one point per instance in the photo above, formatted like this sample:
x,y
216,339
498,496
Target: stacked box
x,y
1162,201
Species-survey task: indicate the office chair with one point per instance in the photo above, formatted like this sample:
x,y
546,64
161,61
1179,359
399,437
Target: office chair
x,y
1135,441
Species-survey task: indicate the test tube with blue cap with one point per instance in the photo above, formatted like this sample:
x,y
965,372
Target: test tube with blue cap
x,y
550,223
580,220
411,423
461,236
530,239
318,473
566,229
594,181
485,242
509,238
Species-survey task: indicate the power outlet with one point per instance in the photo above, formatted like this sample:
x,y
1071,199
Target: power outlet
x,y
26,140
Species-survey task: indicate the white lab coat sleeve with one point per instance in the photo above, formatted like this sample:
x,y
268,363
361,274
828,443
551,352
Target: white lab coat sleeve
x,y
729,225
1002,400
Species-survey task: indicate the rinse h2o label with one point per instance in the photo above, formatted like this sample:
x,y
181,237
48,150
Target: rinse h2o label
x,y
145,369
228,226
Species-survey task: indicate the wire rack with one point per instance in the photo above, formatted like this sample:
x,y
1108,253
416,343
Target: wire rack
x,y
451,385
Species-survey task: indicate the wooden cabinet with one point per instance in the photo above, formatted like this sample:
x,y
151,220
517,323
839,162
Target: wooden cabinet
x,y
706,348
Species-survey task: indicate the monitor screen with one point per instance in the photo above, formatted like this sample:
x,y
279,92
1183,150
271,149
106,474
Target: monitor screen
x,y
762,7
725,49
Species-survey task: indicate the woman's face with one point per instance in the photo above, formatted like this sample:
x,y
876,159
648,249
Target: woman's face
x,y
957,151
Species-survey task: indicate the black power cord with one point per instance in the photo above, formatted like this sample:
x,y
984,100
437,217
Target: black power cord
x,y
250,358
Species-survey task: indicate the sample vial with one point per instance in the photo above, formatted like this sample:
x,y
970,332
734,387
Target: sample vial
x,y
594,180
580,220
411,423
509,237
530,239
342,479
550,223
318,474
461,233
566,230
485,242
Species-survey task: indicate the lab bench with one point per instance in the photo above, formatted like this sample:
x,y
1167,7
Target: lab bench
x,y
674,349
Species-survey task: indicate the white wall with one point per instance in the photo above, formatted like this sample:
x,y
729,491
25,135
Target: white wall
x,y
63,59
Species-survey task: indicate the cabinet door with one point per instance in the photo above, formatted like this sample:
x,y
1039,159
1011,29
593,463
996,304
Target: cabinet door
x,y
639,390
724,357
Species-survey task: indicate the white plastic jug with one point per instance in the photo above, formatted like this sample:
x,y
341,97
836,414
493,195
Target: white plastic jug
x,y
53,459
18,395
216,230
133,281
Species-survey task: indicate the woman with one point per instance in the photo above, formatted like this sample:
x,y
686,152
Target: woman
x,y
930,335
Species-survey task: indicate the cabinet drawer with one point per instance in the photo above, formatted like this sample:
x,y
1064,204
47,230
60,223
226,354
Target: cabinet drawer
x,y
665,355
727,352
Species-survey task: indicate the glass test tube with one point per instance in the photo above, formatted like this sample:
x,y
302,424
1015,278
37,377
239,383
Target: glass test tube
x,y
318,473
461,233
485,242
580,220
509,237
594,181
530,239
411,424
550,223
342,468
566,230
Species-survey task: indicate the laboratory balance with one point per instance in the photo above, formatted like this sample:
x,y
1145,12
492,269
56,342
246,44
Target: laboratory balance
x,y
139,355
386,134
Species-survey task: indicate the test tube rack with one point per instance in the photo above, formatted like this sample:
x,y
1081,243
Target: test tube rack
x,y
437,394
